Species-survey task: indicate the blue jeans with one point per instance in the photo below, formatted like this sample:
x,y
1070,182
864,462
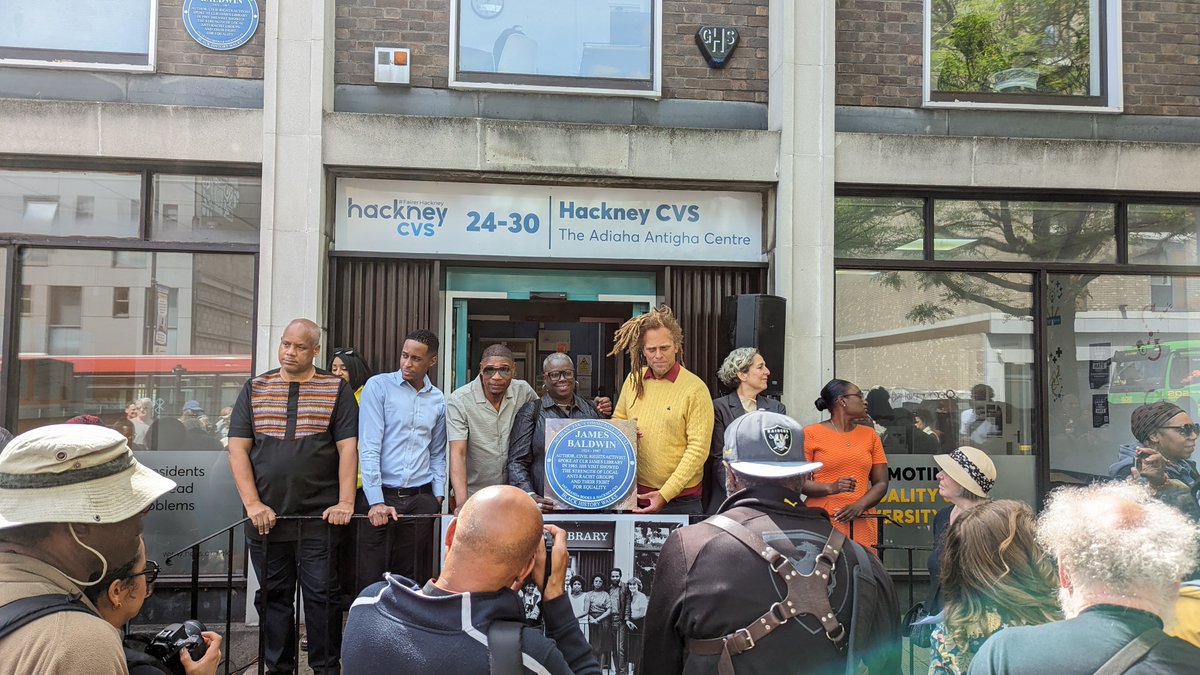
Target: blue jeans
x,y
276,564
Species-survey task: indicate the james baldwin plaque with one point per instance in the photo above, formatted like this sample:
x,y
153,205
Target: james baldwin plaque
x,y
592,464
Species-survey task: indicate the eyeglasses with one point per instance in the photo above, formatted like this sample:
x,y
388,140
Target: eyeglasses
x,y
503,371
560,375
151,574
859,395
1185,429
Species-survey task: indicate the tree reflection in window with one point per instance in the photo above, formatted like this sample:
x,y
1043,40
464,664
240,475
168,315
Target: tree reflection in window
x,y
1014,47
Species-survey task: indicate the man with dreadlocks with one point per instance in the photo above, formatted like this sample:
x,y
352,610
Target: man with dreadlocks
x,y
673,411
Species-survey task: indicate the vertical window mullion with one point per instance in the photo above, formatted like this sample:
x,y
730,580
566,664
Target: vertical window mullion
x,y
1122,233
929,233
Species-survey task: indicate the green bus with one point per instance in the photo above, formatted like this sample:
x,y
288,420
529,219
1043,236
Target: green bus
x,y
1166,371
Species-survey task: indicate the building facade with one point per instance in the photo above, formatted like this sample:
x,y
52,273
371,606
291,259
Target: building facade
x,y
954,197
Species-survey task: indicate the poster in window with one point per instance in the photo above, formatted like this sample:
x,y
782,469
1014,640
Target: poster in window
x,y
162,303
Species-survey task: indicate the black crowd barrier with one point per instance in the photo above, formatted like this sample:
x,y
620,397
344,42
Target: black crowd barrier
x,y
342,556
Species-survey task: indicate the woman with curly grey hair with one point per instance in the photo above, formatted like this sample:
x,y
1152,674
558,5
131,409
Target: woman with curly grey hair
x,y
745,372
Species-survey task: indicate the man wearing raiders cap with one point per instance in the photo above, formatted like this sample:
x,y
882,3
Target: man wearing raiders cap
x,y
768,564
72,498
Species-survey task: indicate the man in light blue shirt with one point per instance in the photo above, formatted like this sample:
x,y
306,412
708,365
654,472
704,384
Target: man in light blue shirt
x,y
402,455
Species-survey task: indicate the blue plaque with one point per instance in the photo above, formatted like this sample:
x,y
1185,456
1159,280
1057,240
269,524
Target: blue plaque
x,y
591,464
221,24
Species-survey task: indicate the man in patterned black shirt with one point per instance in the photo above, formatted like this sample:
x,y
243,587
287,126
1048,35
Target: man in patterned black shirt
x,y
293,448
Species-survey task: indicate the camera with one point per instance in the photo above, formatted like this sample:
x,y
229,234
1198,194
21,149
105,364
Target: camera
x,y
549,539
166,645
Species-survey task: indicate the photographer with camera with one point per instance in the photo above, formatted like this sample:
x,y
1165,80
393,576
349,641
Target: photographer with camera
x,y
471,616
72,499
180,649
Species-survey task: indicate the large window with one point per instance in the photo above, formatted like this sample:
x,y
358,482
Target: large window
x,y
177,328
180,332
132,311
598,46
946,359
1013,53
109,35
1030,328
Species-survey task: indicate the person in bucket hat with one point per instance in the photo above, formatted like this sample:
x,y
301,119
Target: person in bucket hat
x,y
966,477
766,563
72,499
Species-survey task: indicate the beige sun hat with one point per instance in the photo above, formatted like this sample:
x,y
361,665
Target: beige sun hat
x,y
74,473
970,468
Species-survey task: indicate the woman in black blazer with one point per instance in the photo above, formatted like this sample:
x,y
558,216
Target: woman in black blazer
x,y
744,371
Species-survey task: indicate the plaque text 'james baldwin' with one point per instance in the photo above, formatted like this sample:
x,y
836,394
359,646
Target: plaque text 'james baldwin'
x,y
591,464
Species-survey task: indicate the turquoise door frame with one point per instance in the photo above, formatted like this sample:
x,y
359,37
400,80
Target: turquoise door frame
x,y
467,283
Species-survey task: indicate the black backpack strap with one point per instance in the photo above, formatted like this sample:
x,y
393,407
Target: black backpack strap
x,y
504,647
807,594
26,610
1133,652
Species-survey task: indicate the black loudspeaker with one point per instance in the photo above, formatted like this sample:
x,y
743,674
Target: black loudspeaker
x,y
756,321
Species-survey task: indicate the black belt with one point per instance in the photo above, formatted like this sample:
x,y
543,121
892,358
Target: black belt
x,y
426,489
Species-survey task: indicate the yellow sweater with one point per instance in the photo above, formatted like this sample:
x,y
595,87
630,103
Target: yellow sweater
x,y
675,420
1187,614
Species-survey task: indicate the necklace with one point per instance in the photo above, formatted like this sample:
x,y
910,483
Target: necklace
x,y
833,425
845,434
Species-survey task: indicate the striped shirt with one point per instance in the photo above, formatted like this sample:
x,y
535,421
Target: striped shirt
x,y
295,427
312,413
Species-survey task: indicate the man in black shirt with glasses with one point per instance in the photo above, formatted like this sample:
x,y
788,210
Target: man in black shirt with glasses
x,y
527,445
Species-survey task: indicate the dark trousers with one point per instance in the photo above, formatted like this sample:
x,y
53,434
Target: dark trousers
x,y
684,506
276,565
402,547
617,661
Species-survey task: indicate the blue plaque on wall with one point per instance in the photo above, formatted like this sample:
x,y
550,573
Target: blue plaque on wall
x,y
592,464
221,24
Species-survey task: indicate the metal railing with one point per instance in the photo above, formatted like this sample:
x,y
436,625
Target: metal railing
x,y
336,564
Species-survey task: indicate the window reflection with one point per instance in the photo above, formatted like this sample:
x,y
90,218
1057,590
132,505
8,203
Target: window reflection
x,y
1115,342
174,330
1049,47
224,209
1002,230
603,39
80,203
1163,235
946,360
879,227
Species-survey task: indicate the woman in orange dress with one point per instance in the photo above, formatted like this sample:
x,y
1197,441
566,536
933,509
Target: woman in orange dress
x,y
855,476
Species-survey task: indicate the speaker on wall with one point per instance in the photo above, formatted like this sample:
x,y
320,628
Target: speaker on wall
x,y
756,321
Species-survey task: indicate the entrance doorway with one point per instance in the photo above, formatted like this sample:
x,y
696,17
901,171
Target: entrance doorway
x,y
535,329
538,312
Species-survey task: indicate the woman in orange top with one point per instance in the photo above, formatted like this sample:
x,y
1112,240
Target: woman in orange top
x,y
855,476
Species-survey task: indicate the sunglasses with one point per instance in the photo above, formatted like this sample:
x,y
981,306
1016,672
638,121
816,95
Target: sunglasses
x,y
151,574
504,371
1191,429
341,352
